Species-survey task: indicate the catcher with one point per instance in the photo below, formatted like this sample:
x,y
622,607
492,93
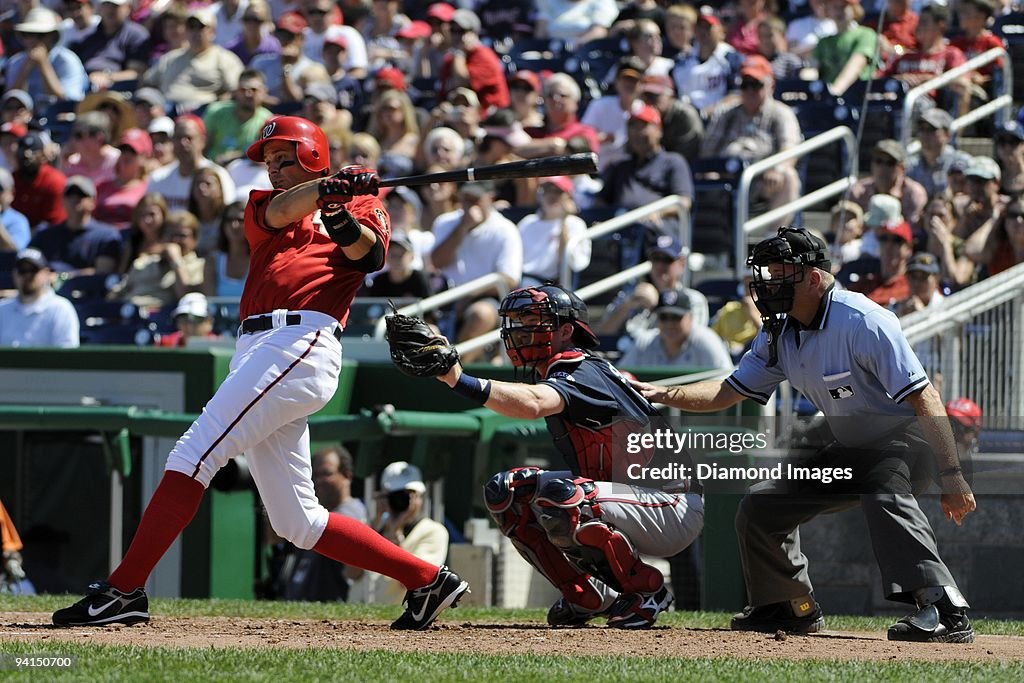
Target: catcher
x,y
582,535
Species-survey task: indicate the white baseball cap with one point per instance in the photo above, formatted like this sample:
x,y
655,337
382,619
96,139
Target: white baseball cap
x,y
193,304
401,476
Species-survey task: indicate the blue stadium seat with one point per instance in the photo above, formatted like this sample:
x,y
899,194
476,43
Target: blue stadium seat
x,y
713,214
58,119
86,287
7,259
719,292
853,271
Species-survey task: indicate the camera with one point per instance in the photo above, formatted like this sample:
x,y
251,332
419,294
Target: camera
x,y
398,501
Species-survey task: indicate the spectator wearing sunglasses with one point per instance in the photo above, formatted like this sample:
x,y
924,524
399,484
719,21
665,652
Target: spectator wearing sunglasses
x,y
36,316
895,247
888,176
676,341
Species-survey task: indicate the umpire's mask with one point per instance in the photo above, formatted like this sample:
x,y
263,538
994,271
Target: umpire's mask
x,y
779,263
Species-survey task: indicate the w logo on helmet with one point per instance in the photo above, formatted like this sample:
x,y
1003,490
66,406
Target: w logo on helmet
x,y
268,130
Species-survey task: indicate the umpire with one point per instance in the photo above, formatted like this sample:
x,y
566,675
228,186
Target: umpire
x,y
849,357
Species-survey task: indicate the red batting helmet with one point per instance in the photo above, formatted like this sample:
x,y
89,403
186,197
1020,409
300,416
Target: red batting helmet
x,y
310,142
966,412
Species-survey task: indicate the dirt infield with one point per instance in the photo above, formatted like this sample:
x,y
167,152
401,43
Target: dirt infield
x,y
499,639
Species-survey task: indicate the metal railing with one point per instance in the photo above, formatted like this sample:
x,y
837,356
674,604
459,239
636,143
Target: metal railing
x,y
1004,101
744,225
446,297
973,343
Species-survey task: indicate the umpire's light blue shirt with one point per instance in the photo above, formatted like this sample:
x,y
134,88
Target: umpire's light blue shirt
x,y
851,361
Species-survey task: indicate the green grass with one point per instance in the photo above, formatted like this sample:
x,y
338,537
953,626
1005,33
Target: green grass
x,y
117,663
263,609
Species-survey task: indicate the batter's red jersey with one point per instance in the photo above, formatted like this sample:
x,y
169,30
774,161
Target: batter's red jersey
x,y
298,267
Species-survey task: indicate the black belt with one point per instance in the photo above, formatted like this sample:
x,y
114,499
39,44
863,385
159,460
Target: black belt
x,y
262,323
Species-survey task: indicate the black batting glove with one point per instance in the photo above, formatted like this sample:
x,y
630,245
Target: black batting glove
x,y
339,189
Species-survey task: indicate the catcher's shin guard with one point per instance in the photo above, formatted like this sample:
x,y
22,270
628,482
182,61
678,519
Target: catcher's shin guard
x,y
508,496
571,515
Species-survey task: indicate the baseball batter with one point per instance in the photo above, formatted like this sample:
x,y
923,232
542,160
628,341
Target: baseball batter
x,y
849,357
581,531
302,279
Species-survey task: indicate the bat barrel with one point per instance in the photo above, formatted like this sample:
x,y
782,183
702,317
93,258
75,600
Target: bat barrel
x,y
572,164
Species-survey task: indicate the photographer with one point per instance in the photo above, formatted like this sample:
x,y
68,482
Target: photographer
x,y
402,520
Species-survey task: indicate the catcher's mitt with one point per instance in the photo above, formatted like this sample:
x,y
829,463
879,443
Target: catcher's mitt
x,y
416,350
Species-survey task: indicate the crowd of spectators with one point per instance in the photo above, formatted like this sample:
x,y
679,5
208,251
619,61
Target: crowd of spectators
x,y
124,124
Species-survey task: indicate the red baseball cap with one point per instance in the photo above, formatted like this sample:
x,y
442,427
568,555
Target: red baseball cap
x,y
709,19
137,140
441,11
336,39
528,77
756,67
563,183
390,76
194,119
965,411
14,128
292,22
901,229
656,84
645,113
414,30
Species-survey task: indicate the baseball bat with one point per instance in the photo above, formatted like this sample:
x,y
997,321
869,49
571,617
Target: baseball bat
x,y
571,164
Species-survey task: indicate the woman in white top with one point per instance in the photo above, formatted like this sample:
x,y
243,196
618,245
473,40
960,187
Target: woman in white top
x,y
553,234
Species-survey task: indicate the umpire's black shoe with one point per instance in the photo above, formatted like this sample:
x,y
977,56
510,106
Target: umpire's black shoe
x,y
104,605
779,616
422,605
929,625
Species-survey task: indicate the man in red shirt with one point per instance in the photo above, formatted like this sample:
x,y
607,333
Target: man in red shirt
x,y
472,64
38,187
303,276
899,28
895,247
561,102
933,56
974,16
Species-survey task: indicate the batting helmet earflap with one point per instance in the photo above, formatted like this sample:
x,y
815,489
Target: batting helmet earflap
x,y
311,146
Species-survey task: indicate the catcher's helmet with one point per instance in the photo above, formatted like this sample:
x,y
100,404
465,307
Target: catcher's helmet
x,y
531,315
965,412
311,147
794,248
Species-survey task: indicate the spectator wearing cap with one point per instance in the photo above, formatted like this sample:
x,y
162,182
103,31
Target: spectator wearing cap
x,y
393,122
930,166
647,173
412,40
473,241
15,232
923,277
577,21
1004,247
149,105
439,18
742,33
45,69
677,341
803,33
16,107
738,321
848,55
772,45
888,176
288,72
402,519
192,320
89,151
882,209
955,178
524,91
400,278
174,181
255,37
199,72
80,245
115,105
632,311
982,209
36,317
471,64
682,129
933,54
234,124
80,18
974,18
895,246
161,132
38,186
847,228
1009,152
561,103
117,198
323,18
116,50
705,73
554,236
757,127
608,114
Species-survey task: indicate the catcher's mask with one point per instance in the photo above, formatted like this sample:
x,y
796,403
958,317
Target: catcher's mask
x,y
532,316
779,263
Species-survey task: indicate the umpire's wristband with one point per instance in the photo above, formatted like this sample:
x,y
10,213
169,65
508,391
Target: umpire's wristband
x,y
342,227
473,388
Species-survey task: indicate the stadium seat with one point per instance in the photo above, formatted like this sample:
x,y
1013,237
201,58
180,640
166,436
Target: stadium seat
x,y
719,292
135,335
714,211
853,271
86,287
7,259
58,118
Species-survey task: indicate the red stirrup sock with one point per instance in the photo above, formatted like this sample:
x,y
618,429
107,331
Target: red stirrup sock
x,y
353,543
172,507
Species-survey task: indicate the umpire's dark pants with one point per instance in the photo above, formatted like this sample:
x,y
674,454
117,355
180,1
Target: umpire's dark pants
x,y
886,477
